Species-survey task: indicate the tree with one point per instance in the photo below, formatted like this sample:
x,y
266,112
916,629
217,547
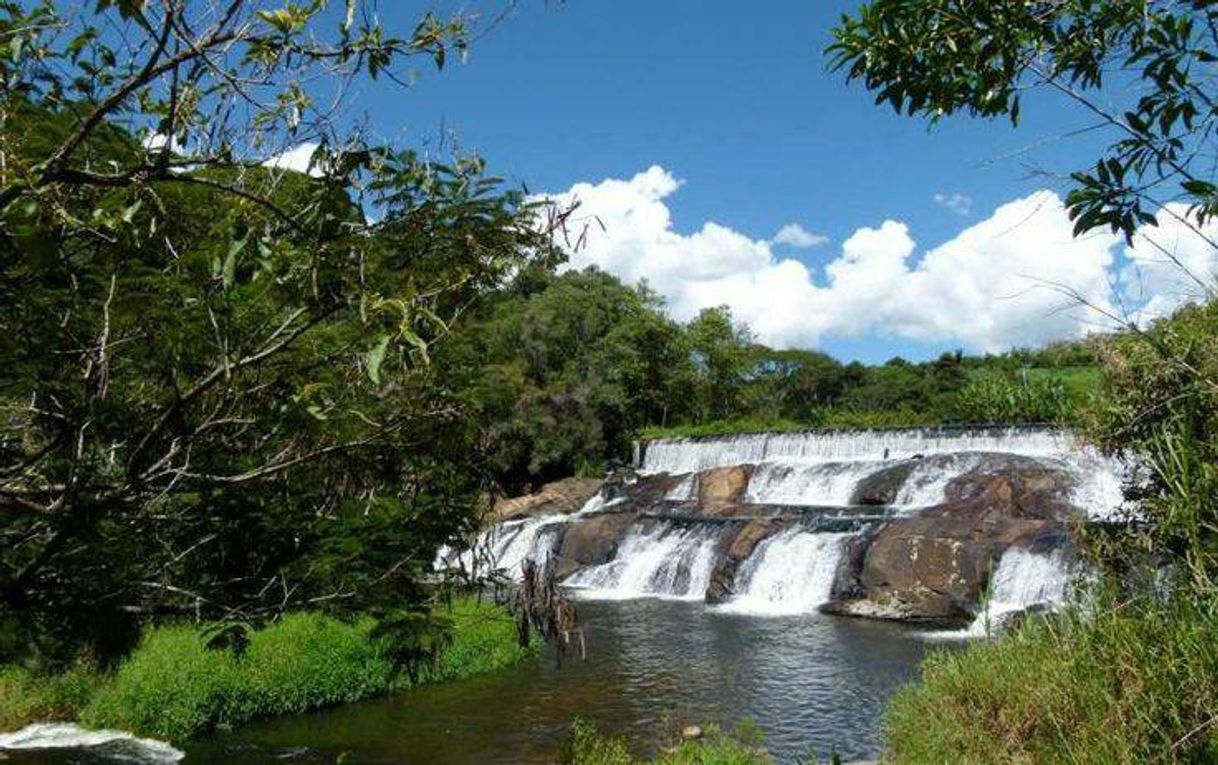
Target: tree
x,y
215,395
719,350
561,375
1145,70
1142,68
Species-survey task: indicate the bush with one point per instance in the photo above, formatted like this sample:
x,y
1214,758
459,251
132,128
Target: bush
x,y
174,687
1024,398
589,747
28,696
1134,682
484,638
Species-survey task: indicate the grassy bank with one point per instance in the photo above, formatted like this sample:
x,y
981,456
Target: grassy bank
x,y
1135,683
590,747
174,688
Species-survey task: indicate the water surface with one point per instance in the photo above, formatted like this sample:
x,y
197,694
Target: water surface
x,y
810,682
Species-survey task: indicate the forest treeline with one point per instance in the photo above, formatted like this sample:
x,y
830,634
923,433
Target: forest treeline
x,y
562,370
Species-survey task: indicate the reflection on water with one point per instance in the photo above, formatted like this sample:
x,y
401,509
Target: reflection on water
x,y
810,682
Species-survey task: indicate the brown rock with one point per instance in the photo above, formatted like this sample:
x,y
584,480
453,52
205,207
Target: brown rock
x,y
566,496
591,541
740,547
933,567
723,486
882,486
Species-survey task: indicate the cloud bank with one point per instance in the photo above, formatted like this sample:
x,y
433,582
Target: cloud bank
x,y
1009,280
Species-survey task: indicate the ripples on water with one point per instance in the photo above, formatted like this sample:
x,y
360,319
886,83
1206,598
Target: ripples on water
x,y
810,682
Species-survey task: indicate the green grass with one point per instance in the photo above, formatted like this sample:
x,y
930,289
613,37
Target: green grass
x,y
484,639
27,696
174,688
590,747
1136,682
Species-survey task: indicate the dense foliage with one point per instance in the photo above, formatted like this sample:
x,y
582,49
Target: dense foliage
x,y
215,396
173,686
564,370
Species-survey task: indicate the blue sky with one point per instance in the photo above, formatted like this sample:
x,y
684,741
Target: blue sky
x,y
738,104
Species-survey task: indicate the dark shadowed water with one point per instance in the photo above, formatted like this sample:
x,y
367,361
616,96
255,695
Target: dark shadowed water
x,y
811,683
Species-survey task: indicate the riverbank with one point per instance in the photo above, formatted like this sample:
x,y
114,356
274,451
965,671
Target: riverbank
x,y
1132,681
173,687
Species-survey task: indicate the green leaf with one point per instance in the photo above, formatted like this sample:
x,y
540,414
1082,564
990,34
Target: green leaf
x,y
229,270
376,357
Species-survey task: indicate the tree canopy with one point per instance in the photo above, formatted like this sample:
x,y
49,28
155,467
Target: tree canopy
x,y
214,380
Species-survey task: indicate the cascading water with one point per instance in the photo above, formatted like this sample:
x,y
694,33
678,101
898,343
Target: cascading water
x,y
115,745
816,483
505,546
818,468
789,573
687,455
656,559
1022,580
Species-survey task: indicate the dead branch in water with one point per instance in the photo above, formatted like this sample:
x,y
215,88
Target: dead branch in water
x,y
540,607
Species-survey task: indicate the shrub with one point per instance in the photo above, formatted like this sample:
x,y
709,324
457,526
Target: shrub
x,y
484,638
28,696
588,746
174,687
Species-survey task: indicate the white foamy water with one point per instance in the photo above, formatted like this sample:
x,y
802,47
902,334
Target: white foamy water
x,y
653,560
686,490
823,468
1022,580
505,546
688,455
116,744
789,573
807,483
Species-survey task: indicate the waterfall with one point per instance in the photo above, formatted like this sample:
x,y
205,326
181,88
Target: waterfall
x,y
653,560
1022,580
505,546
822,468
807,483
789,573
121,747
688,455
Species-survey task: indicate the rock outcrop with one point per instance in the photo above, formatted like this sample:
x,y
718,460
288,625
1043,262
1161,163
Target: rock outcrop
x,y
721,490
740,547
560,497
933,566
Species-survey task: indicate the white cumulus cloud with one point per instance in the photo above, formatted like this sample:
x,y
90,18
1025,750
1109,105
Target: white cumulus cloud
x,y
795,235
1009,280
298,158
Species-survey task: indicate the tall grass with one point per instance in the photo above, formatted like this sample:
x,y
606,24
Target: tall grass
x,y
28,696
174,687
1132,682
